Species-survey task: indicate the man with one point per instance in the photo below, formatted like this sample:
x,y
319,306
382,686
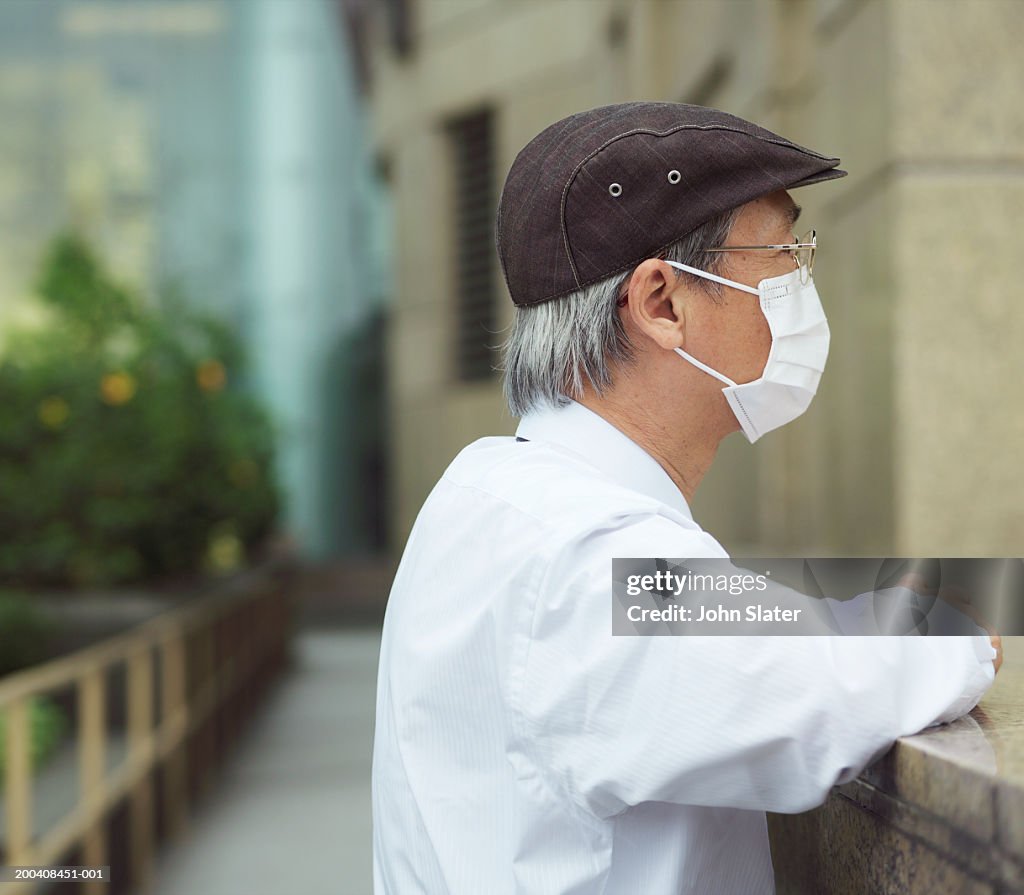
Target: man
x,y
662,303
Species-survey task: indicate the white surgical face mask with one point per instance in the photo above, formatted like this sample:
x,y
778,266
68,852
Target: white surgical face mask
x,y
800,338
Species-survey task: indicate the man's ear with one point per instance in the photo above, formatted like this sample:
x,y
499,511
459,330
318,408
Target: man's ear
x,y
655,302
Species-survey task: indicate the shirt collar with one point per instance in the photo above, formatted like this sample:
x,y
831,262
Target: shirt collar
x,y
602,445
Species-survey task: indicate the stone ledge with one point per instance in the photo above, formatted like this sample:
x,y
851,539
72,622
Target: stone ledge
x,y
942,811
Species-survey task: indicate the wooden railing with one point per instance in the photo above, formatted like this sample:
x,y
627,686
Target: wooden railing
x,y
192,676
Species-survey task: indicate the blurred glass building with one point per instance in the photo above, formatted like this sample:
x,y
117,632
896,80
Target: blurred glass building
x,y
214,148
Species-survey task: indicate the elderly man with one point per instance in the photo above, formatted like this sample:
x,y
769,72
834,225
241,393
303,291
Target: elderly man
x,y
662,302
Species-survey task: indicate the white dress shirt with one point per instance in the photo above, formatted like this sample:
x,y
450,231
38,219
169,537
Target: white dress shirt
x,y
521,748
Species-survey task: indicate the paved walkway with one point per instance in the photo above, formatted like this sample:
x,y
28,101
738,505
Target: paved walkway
x,y
290,815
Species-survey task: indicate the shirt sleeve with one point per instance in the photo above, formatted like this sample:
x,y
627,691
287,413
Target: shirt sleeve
x,y
752,722
854,615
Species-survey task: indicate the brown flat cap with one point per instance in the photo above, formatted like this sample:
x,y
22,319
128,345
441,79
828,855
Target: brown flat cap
x,y
598,192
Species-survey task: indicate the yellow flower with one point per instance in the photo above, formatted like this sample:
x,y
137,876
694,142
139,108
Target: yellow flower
x,y
243,472
53,411
224,552
117,388
211,375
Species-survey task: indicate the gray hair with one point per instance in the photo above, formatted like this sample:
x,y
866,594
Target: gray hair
x,y
555,345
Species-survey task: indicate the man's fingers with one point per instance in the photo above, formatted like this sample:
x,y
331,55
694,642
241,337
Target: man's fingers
x,y
959,599
997,645
916,582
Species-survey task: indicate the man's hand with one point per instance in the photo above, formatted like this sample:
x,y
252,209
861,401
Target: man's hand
x,y
997,645
959,600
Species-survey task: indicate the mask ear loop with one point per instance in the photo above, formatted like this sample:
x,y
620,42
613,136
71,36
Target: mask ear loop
x,y
710,276
696,271
622,300
719,376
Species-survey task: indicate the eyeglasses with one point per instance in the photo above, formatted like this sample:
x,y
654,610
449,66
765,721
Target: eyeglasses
x,y
802,251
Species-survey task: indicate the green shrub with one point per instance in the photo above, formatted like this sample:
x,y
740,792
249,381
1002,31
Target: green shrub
x,y
25,633
47,726
127,445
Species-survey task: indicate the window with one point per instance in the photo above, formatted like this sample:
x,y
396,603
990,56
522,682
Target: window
x,y
472,142
399,17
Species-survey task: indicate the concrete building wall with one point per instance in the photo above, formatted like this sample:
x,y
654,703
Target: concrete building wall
x,y
910,446
958,186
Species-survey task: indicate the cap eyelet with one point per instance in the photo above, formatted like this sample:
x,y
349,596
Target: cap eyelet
x,y
674,176
615,189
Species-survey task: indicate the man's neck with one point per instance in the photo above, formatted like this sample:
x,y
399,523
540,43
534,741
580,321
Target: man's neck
x,y
683,446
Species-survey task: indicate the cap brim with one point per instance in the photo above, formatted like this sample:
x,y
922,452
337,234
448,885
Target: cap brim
x,y
828,174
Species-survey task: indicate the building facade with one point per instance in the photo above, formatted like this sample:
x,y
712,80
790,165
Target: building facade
x,y
911,445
